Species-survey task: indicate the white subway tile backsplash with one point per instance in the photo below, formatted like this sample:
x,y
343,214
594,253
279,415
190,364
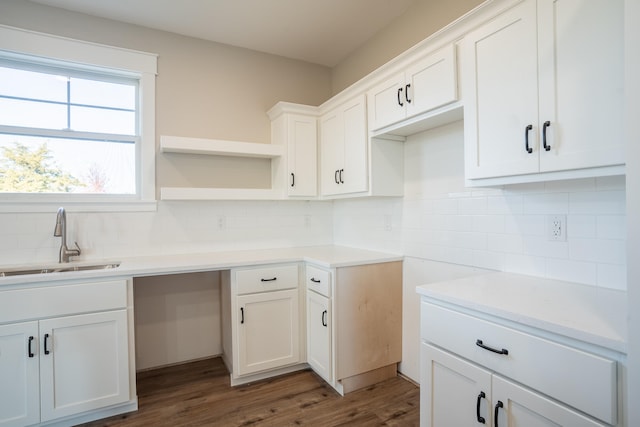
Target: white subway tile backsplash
x,y
572,271
617,182
598,250
472,206
488,223
611,227
543,247
526,225
507,205
598,203
511,243
524,264
546,204
581,226
612,276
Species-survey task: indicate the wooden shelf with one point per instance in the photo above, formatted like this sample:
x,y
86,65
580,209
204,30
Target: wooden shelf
x,y
218,147
186,193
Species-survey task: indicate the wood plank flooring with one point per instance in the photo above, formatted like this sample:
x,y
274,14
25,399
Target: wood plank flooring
x,y
198,394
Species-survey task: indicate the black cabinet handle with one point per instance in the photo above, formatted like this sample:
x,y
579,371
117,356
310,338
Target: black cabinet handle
x,y
269,280
241,315
341,181
293,179
545,125
314,280
495,350
30,348
526,138
478,417
46,340
324,318
495,412
335,176
406,93
399,95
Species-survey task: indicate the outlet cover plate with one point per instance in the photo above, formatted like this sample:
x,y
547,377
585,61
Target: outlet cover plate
x,y
557,228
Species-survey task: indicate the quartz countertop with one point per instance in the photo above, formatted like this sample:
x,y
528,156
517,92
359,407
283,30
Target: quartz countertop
x,y
324,256
586,313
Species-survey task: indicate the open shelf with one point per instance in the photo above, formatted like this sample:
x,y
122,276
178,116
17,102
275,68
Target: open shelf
x,y
186,193
218,147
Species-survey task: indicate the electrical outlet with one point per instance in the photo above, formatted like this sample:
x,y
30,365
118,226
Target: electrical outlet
x,y
557,228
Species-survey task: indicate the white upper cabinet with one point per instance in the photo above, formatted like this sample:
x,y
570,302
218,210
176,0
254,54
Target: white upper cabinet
x,y
427,84
295,127
543,91
343,148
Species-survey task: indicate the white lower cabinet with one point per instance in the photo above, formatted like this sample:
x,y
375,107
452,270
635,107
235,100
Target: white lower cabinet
x,y
319,323
476,371
63,365
456,392
267,331
261,321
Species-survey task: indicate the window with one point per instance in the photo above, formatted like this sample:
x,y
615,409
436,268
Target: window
x,y
77,125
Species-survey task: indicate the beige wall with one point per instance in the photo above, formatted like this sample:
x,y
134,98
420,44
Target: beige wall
x,y
422,19
204,89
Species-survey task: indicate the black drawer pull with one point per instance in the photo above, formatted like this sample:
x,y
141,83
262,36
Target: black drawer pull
x,y
46,340
241,315
399,94
314,280
406,93
269,280
478,417
495,412
324,318
293,179
503,351
526,139
545,125
30,348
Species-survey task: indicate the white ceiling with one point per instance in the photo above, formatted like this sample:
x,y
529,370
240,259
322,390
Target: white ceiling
x,y
318,31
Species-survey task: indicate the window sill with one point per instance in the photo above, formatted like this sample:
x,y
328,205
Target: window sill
x,y
19,205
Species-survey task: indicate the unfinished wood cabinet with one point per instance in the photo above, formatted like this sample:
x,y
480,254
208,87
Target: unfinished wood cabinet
x,y
366,324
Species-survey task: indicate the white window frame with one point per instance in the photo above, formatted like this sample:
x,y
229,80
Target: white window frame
x,y
18,43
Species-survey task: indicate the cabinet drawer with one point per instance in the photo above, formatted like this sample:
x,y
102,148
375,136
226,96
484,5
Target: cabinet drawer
x,y
32,303
582,380
319,281
264,279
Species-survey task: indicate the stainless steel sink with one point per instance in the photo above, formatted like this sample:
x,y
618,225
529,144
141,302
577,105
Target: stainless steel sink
x,y
58,269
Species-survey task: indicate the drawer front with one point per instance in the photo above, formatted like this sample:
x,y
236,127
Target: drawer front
x,y
582,380
318,280
62,300
265,279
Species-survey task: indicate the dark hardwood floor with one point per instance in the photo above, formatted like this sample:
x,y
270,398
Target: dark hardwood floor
x,y
198,394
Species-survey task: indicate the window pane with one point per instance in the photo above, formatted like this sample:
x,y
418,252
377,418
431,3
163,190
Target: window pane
x,y
92,92
104,121
29,84
47,165
32,114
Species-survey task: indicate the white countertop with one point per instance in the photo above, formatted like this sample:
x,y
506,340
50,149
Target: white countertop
x,y
324,256
586,313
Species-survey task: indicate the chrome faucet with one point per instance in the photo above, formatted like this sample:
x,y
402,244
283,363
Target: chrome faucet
x,y
61,231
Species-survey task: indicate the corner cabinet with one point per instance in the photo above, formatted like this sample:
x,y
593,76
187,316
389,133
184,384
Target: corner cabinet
x,y
261,322
72,361
354,323
426,84
543,92
294,127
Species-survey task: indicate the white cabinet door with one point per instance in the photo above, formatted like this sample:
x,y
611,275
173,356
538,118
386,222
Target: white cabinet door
x,y
84,363
581,82
319,334
268,331
343,148
453,392
19,375
431,82
500,84
302,154
353,176
332,152
386,102
518,406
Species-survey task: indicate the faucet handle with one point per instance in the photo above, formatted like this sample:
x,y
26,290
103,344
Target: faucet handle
x,y
77,248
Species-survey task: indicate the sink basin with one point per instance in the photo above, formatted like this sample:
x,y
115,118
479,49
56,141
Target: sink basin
x,y
58,269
